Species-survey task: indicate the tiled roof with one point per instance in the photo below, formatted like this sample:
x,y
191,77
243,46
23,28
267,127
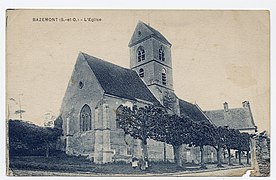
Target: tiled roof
x,y
144,31
192,111
236,118
119,81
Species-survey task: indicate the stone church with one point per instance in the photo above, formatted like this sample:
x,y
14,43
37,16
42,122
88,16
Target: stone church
x,y
97,88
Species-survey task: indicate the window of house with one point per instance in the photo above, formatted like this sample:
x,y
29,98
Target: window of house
x,y
141,72
161,54
164,77
85,118
128,150
141,54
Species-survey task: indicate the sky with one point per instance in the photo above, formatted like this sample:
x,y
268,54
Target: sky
x,y
217,56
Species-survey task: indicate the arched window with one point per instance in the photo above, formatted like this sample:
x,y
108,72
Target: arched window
x,y
141,72
85,118
141,54
161,54
164,77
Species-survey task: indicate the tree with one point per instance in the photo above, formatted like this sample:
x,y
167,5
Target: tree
x,y
140,124
50,135
28,139
244,145
176,130
231,141
218,141
202,136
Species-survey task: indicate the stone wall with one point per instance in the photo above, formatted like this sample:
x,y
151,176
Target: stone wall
x,y
263,154
89,92
125,147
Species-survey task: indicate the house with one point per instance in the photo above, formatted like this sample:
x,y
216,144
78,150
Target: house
x,y
234,118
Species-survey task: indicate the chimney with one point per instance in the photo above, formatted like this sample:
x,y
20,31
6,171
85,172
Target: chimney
x,y
225,105
245,104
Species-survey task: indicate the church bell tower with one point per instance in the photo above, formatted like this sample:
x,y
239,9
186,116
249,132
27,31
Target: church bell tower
x,y
150,57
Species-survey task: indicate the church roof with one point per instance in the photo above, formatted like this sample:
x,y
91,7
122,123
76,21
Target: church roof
x,y
144,31
193,111
119,81
236,118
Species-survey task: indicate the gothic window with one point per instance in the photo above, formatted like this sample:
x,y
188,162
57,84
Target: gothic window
x,y
161,54
141,72
85,118
164,77
141,54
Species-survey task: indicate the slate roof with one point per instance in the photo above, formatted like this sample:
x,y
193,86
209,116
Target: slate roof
x,y
235,118
158,34
119,81
147,31
192,111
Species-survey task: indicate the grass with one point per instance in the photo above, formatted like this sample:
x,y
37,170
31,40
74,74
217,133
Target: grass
x,y
73,164
80,164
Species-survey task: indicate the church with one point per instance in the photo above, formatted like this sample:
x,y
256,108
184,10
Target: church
x,y
97,88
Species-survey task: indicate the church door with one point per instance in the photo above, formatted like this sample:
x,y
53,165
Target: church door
x,y
85,118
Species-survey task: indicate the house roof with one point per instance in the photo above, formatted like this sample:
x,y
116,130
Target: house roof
x,y
192,111
144,31
235,118
119,81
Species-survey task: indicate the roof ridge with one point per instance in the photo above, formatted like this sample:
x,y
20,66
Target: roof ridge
x,y
150,33
103,60
223,109
157,33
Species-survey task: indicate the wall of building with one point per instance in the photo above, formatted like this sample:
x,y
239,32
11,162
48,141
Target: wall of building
x,y
153,69
125,147
75,98
148,47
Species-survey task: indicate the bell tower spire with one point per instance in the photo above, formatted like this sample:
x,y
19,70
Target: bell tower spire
x,y
150,57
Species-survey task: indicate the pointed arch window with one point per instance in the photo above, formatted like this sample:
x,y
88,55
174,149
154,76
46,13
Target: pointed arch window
x,y
141,54
164,77
161,54
141,72
85,118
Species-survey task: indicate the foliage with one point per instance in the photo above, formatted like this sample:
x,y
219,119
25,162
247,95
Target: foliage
x,y
141,123
28,139
178,130
202,134
155,123
244,143
232,138
58,122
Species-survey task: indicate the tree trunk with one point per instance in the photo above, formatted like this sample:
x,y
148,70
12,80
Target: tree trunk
x,y
165,153
145,155
202,164
218,157
47,149
229,156
177,155
247,157
239,157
